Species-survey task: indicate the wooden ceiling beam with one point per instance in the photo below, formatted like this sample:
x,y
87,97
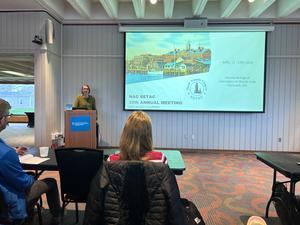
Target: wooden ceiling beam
x,y
54,7
287,7
257,7
139,8
25,66
227,7
168,8
111,7
83,7
20,58
7,67
198,7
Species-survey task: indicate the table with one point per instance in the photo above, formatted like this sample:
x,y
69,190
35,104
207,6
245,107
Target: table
x,y
175,161
50,165
284,163
174,157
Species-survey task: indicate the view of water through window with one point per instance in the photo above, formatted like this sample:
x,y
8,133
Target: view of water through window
x,y
20,97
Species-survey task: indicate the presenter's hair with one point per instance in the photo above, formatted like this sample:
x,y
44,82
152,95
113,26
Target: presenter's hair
x,y
85,85
136,138
4,107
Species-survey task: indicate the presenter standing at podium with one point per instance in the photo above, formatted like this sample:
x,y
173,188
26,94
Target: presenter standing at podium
x,y
87,101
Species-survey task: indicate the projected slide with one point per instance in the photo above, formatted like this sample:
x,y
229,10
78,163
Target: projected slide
x,y
195,71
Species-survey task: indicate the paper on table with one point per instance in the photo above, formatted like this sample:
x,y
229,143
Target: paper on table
x,y
30,159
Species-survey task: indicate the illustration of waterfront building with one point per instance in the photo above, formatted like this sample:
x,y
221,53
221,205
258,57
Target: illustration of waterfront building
x,y
178,62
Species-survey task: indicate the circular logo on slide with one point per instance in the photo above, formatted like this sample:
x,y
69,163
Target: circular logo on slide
x,y
197,89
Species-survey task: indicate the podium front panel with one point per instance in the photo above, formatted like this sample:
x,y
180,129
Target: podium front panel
x,y
80,128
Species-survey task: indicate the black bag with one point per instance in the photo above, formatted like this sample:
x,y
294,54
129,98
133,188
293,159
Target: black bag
x,y
286,205
192,214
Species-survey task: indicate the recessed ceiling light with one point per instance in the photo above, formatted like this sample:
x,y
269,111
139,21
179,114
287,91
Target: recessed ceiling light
x,y
153,2
251,1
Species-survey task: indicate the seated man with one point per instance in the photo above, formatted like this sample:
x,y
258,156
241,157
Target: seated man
x,y
20,190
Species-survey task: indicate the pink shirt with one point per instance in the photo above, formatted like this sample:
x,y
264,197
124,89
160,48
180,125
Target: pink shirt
x,y
152,156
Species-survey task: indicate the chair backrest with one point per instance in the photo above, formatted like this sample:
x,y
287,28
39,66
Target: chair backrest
x,y
4,218
135,193
137,185
77,167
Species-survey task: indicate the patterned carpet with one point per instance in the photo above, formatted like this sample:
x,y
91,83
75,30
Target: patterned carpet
x,y
227,187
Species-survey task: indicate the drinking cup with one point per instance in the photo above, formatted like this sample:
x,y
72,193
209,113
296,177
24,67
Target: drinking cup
x,y
44,151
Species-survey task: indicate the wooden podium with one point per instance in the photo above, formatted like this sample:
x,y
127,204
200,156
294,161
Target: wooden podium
x,y
80,128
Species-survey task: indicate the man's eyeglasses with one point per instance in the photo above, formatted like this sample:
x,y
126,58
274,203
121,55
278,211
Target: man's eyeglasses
x,y
7,115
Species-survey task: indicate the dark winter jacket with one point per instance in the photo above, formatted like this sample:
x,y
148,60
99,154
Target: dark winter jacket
x,y
134,193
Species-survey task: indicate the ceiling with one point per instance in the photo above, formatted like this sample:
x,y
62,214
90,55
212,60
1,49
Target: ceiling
x,y
16,68
142,11
118,11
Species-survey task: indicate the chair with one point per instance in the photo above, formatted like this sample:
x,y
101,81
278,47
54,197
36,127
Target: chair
x,y
4,216
30,116
77,167
132,192
4,219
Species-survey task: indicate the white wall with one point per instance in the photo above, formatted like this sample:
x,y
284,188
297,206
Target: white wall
x,y
94,54
17,32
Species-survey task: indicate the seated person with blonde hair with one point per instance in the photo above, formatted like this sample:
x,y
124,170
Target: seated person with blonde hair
x,y
136,140
131,188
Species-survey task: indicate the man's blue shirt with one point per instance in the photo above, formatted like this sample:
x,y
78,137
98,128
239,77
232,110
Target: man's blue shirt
x,y
13,181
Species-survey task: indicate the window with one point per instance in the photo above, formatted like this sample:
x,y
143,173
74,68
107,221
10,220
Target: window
x,y
19,96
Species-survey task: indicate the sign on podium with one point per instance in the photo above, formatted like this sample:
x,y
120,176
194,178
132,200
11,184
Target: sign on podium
x,y
80,128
